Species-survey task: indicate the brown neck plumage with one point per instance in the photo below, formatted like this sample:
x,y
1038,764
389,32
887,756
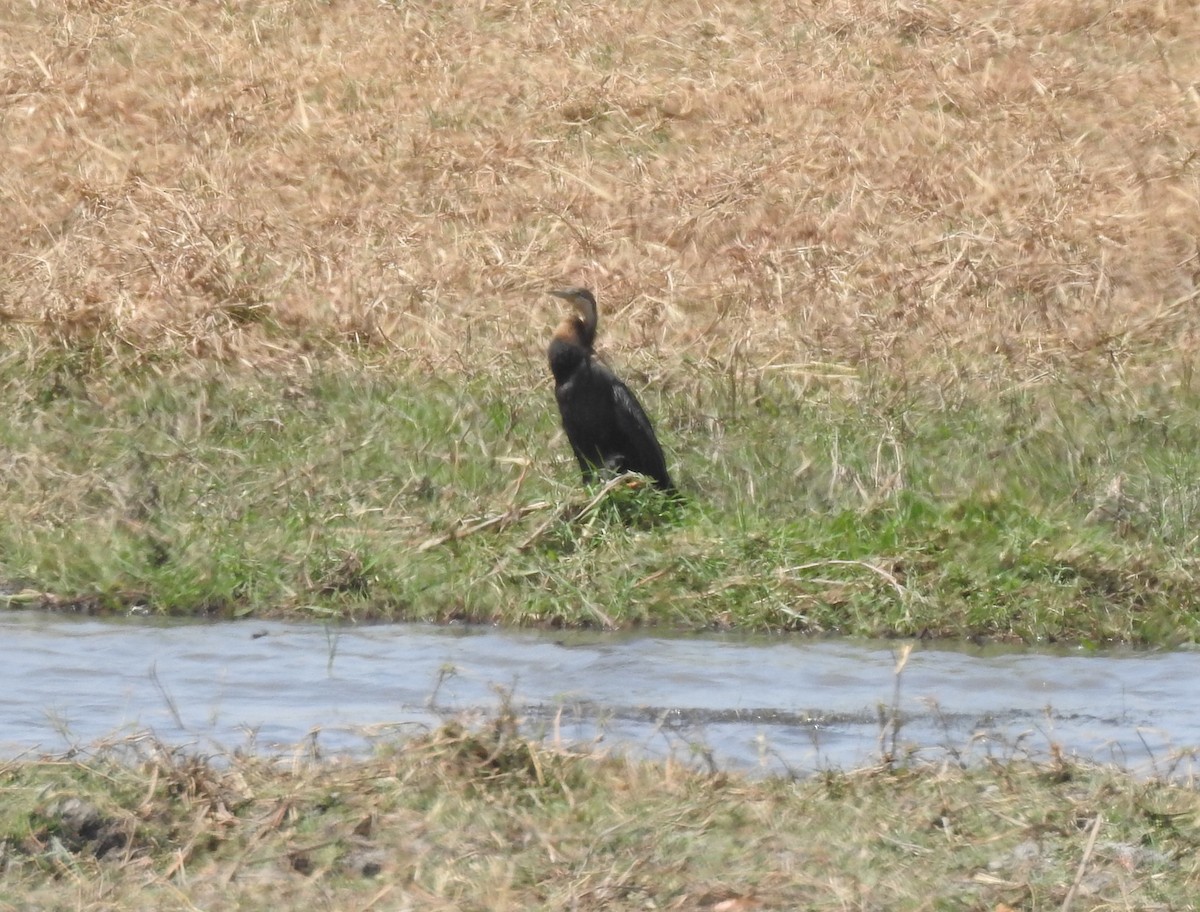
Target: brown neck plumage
x,y
575,331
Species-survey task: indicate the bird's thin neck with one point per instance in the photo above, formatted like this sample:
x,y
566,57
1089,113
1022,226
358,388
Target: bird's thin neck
x,y
586,330
576,332
589,319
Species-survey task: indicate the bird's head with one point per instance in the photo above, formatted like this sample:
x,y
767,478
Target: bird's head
x,y
584,302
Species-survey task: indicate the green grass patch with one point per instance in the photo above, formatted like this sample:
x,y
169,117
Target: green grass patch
x,y
850,505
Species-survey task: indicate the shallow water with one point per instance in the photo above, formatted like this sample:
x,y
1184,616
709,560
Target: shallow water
x,y
781,704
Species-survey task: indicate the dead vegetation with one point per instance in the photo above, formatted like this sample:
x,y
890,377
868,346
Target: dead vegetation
x,y
483,818
916,184
797,213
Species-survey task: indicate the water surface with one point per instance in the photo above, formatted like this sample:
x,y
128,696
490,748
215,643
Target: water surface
x,y
747,702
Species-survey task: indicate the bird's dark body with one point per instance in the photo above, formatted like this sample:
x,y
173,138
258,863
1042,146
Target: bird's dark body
x,y
604,422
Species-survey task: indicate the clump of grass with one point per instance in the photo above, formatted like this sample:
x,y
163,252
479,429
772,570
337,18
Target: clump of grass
x,y
481,818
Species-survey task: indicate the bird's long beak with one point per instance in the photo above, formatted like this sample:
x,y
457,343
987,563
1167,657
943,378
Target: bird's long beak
x,y
562,293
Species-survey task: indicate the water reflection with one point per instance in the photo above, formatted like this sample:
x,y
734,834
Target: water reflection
x,y
780,704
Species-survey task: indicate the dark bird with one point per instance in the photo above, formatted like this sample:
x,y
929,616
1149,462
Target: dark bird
x,y
606,425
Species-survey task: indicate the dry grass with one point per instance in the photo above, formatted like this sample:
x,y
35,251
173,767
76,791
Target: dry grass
x,y
790,211
486,820
911,183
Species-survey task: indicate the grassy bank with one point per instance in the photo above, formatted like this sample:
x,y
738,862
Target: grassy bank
x,y
488,821
841,503
909,291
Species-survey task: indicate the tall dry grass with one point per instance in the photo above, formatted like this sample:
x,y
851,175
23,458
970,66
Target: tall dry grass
x,y
914,183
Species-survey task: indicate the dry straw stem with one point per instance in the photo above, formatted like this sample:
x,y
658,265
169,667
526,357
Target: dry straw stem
x,y
473,527
1093,832
782,181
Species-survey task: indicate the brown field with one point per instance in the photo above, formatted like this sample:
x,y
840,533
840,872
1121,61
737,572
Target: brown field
x,y
912,184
